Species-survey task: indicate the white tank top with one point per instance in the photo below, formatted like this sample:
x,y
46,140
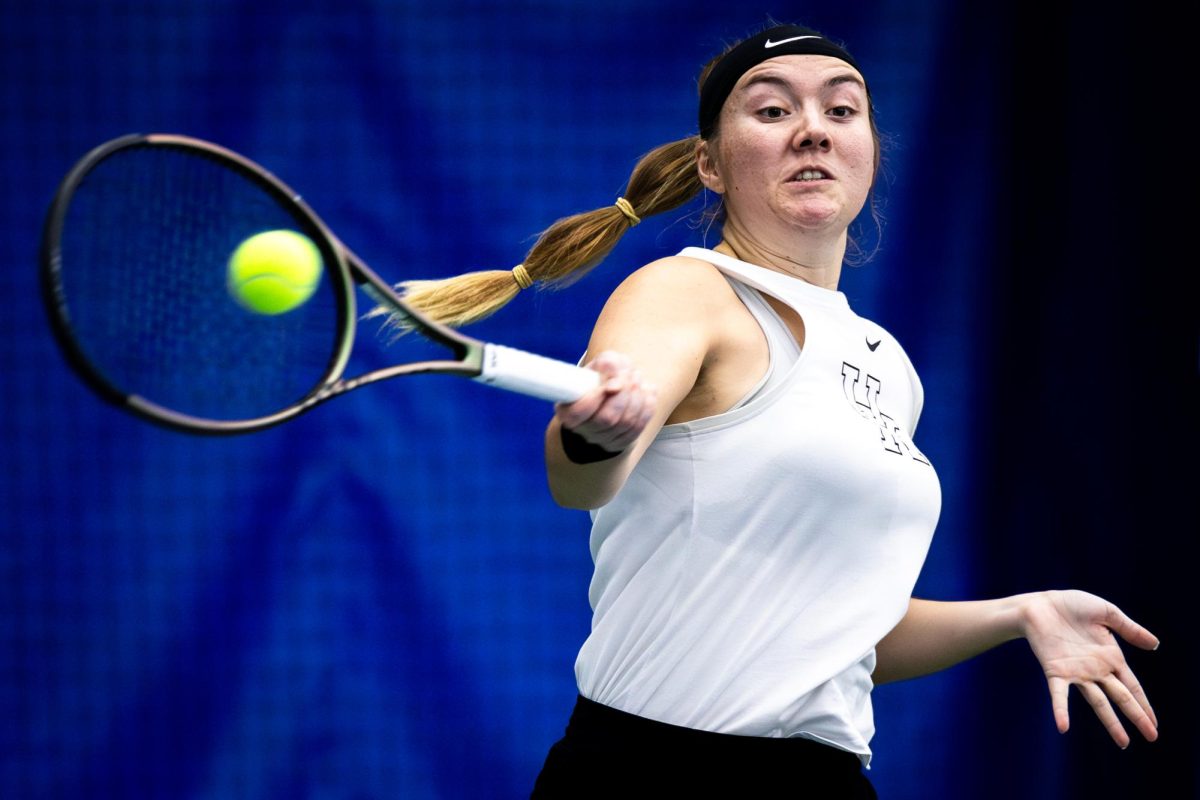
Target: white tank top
x,y
753,559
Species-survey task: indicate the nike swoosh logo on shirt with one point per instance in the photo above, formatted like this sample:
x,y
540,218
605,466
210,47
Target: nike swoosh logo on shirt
x,y
785,41
872,347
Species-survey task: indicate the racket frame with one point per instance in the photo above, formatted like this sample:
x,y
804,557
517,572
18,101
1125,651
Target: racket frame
x,y
488,363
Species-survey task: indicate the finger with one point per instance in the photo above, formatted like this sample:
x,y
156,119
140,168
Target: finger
x,y
637,416
1134,687
610,364
1104,710
608,361
1058,703
1133,711
572,415
622,430
1129,630
638,410
607,417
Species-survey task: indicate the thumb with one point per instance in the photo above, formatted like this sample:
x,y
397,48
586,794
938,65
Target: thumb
x,y
1129,630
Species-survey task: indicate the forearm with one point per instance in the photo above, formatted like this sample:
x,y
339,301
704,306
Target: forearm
x,y
935,635
583,486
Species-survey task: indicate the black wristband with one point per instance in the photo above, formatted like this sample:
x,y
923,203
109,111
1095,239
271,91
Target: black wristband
x,y
580,451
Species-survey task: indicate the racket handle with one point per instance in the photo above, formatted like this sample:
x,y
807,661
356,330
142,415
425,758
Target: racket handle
x,y
538,376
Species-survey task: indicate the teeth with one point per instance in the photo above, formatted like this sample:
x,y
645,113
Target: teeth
x,y
811,175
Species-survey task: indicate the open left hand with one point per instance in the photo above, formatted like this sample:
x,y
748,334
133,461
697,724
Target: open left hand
x,y
1071,633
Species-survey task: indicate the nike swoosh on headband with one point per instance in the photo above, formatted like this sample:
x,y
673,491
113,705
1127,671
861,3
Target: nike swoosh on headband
x,y
785,41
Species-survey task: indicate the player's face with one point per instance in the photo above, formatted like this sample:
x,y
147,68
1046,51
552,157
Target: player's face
x,y
794,146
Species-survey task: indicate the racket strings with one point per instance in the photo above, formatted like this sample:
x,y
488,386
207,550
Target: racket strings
x,y
143,265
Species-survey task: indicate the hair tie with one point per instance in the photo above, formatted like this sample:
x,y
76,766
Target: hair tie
x,y
627,209
521,276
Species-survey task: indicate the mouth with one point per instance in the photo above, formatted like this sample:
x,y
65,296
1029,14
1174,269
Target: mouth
x,y
811,174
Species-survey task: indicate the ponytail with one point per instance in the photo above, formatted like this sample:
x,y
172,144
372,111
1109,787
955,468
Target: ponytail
x,y
664,179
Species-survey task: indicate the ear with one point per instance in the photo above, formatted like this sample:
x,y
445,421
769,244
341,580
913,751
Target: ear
x,y
706,167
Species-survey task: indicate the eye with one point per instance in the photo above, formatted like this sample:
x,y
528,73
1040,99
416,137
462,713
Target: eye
x,y
772,112
842,112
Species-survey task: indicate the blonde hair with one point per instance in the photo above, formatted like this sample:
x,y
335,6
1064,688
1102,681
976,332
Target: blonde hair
x,y
663,179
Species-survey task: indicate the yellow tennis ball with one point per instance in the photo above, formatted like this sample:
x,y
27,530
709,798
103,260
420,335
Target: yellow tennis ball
x,y
274,272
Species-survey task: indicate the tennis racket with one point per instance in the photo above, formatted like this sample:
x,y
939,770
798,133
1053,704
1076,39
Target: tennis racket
x,y
134,262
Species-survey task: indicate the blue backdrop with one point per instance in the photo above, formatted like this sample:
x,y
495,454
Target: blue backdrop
x,y
380,599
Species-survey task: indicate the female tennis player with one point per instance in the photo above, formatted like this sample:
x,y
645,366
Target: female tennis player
x,y
760,508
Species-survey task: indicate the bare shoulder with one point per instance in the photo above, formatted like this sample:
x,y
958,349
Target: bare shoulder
x,y
670,313
678,286
675,272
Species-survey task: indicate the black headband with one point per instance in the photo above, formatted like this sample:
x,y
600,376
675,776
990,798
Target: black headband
x,y
782,40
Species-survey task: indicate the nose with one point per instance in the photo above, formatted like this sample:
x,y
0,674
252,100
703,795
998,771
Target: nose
x,y
811,132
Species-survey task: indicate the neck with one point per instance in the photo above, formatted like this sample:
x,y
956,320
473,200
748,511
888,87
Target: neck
x,y
814,261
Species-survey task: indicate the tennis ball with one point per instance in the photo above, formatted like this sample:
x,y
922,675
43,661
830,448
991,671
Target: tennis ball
x,y
274,272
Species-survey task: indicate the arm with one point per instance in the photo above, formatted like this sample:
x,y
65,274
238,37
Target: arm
x,y
1070,633
933,636
665,319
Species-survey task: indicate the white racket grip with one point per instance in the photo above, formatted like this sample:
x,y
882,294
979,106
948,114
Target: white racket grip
x,y
538,376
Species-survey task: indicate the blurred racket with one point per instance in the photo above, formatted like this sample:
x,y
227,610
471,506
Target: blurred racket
x,y
134,264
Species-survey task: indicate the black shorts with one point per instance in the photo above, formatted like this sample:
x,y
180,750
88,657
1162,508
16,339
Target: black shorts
x,y
610,753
